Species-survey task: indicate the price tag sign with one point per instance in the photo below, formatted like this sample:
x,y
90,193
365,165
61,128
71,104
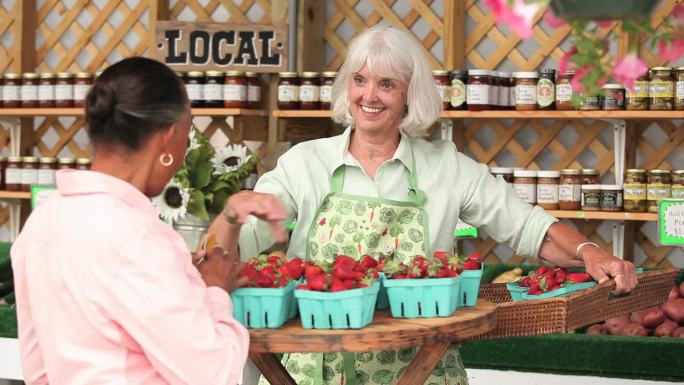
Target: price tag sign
x,y
464,230
671,222
40,193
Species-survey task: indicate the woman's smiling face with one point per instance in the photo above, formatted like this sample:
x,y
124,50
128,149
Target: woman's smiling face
x,y
376,102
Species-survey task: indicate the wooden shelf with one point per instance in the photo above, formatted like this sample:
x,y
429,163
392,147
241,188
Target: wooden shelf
x,y
498,114
15,195
302,113
27,112
604,215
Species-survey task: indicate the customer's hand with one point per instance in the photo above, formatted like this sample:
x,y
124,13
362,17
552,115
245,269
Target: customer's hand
x,y
603,266
266,207
220,268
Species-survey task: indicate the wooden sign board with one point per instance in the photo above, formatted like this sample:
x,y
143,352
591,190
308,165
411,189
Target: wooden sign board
x,y
671,222
186,46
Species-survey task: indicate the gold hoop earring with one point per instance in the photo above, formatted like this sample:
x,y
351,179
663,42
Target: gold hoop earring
x,y
166,163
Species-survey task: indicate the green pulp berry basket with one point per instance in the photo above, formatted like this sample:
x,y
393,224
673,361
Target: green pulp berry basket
x,y
382,302
426,297
348,309
516,290
519,293
257,307
470,287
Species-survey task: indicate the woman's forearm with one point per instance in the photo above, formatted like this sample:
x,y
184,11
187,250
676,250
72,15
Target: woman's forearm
x,y
227,234
560,245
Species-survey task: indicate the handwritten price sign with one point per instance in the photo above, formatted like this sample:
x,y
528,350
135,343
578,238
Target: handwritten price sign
x,y
671,222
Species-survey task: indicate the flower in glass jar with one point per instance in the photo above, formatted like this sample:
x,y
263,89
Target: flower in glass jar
x,y
229,158
172,203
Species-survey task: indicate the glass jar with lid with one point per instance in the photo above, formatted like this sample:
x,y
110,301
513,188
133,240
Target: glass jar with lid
x,y
46,90
679,88
29,172
525,185
11,91
635,190
288,91
505,85
591,197
661,91
659,185
678,184
13,174
47,166
612,97
547,189
589,102
478,89
82,84
64,90
194,85
235,92
29,90
564,91
504,172
310,91
590,176
441,78
213,90
83,164
611,197
3,166
638,98
546,89
494,90
66,163
570,189
457,86
327,80
526,91
253,90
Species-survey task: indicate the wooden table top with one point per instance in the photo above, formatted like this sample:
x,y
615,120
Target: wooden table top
x,y
383,333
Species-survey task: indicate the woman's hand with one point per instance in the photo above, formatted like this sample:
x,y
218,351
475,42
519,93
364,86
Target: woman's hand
x,y
264,206
603,266
220,268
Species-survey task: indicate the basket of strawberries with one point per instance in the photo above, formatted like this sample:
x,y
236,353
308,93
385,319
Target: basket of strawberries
x,y
471,277
548,282
268,299
340,295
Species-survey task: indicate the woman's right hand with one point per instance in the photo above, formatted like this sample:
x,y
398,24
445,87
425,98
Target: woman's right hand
x,y
220,268
266,207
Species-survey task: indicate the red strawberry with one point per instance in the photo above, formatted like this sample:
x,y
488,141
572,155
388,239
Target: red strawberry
x,y
349,284
471,265
525,282
475,256
579,277
274,260
368,262
365,282
415,272
337,285
344,272
441,255
554,287
560,276
343,260
542,269
317,282
302,286
312,270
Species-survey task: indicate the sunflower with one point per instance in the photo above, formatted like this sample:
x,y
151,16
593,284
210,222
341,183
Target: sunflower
x,y
172,203
229,158
193,143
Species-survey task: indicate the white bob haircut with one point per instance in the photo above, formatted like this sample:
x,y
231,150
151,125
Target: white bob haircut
x,y
394,53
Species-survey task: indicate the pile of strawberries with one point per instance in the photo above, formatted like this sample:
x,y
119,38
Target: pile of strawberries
x,y
272,271
345,273
441,265
546,279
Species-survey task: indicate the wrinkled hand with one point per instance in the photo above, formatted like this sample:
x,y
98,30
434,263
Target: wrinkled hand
x,y
220,268
602,266
266,207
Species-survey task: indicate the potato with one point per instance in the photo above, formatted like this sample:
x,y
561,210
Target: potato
x,y
665,328
596,329
681,289
637,315
614,325
678,333
634,329
653,317
674,293
674,309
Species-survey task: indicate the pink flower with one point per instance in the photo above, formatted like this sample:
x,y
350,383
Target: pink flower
x,y
576,80
552,20
628,69
519,18
678,13
604,23
670,51
564,65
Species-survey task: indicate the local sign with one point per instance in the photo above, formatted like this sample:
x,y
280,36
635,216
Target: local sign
x,y
185,46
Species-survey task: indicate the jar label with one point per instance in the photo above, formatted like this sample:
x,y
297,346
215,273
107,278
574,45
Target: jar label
x,y
680,90
635,191
494,95
641,90
545,92
611,199
458,93
615,100
288,93
525,94
214,92
10,93
678,192
526,192
308,93
64,92
194,91
46,177
13,176
658,191
563,93
444,92
46,92
29,176
504,94
661,89
511,97
29,93
235,92
591,200
80,91
547,193
326,94
570,192
253,93
477,94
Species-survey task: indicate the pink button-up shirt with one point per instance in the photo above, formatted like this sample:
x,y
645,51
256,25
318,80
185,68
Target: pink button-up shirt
x,y
107,294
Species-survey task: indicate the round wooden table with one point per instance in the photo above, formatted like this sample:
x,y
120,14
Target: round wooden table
x,y
432,335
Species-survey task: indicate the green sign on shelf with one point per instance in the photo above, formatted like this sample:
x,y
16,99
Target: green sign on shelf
x,y
464,230
40,193
671,222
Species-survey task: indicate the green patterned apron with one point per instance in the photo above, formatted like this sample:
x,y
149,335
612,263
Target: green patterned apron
x,y
357,225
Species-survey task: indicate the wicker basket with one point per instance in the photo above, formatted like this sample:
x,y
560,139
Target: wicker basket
x,y
563,314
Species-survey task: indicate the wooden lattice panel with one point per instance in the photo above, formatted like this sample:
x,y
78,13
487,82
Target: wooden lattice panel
x,y
348,11
659,14
247,11
10,50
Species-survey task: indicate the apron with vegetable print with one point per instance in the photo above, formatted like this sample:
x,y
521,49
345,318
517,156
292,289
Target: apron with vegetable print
x,y
358,225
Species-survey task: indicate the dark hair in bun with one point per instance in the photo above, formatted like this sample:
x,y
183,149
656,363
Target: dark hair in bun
x,y
131,100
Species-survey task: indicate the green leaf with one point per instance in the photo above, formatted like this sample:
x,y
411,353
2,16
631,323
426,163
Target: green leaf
x,y
218,202
196,205
203,175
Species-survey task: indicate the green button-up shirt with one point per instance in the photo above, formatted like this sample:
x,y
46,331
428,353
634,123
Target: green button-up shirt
x,y
455,185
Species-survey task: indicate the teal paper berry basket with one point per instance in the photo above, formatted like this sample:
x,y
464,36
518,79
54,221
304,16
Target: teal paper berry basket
x,y
348,309
516,290
470,287
571,288
382,302
257,307
427,297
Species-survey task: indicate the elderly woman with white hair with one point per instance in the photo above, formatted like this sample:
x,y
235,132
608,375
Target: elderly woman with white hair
x,y
387,97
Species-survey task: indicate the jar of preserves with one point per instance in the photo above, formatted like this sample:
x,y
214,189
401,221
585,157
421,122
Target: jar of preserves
x,y
83,164
591,197
526,91
564,91
494,90
310,91
611,197
212,91
678,184
659,185
570,189
679,88
635,190
288,91
546,89
511,96
64,90
47,166
589,102
46,90
328,78
3,166
478,89
590,176
29,172
612,97
66,163
11,91
29,90
638,99
234,90
525,185
253,90
194,85
661,91
504,172
441,78
13,174
458,82
547,189
82,84
505,82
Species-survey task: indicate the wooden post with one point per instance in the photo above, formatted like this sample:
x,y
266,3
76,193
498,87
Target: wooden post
x,y
279,10
631,227
159,10
454,35
310,43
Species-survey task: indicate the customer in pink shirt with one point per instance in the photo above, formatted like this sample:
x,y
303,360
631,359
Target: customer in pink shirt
x,y
106,292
